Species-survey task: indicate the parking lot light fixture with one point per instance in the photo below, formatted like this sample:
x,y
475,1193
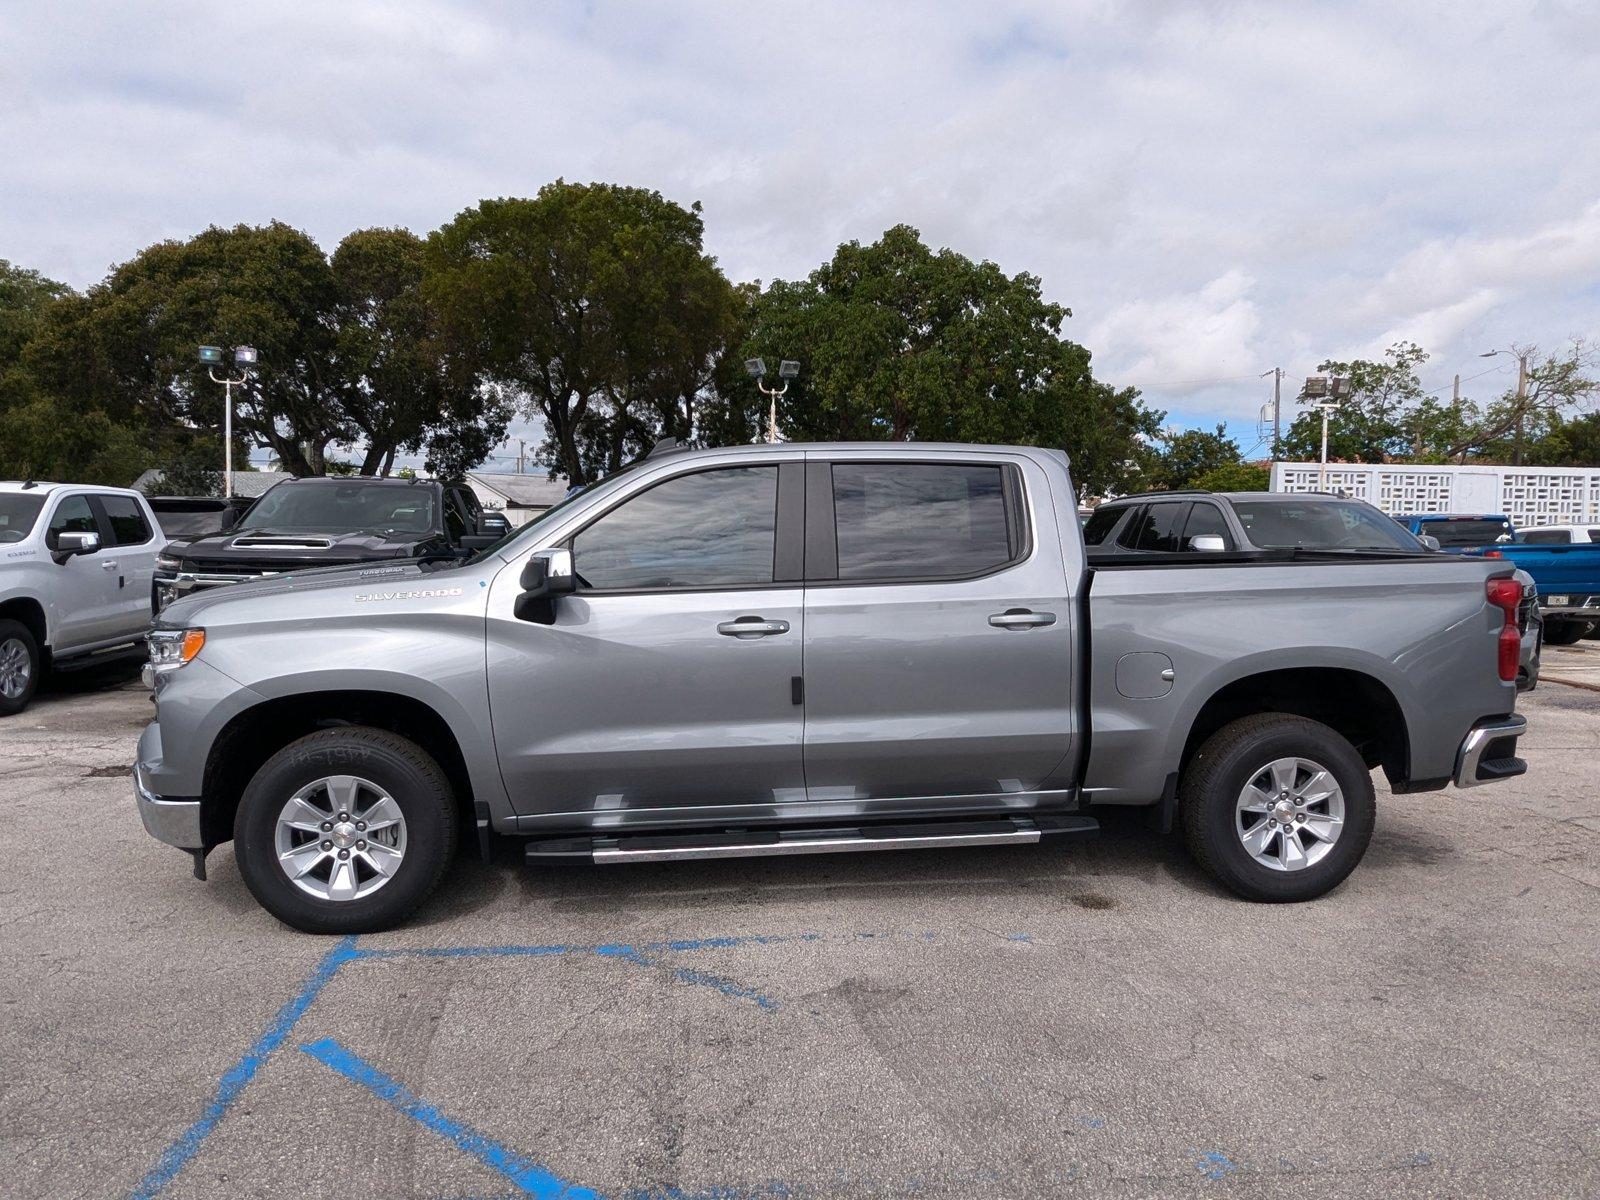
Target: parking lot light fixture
x,y
244,357
1329,392
788,368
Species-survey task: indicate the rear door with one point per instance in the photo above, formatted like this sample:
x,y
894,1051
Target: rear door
x,y
939,647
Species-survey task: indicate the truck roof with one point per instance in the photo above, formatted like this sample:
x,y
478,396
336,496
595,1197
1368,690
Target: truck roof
x,y
41,487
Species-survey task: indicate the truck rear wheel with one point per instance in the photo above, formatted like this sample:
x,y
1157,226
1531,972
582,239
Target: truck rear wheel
x,y
345,831
1277,807
19,667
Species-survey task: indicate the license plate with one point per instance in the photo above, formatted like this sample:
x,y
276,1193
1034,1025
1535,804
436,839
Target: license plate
x,y
1559,601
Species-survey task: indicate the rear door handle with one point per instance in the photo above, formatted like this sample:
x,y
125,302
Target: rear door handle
x,y
752,627
1021,618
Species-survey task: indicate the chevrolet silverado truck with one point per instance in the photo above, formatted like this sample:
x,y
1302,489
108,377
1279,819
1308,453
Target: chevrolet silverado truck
x,y
303,524
789,649
75,568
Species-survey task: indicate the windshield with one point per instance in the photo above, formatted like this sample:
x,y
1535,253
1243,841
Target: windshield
x,y
1475,531
18,511
1321,525
343,508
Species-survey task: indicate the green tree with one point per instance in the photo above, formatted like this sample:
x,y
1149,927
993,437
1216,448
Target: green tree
x,y
401,391
1233,477
1185,455
1370,424
593,304
901,342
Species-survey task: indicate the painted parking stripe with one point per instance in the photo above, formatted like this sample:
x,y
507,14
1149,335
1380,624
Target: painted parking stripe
x,y
532,1178
242,1072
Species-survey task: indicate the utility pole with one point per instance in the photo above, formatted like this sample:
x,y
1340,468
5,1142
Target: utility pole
x,y
522,448
1277,406
1522,397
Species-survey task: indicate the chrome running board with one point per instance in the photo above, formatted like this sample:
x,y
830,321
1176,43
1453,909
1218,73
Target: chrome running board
x,y
757,843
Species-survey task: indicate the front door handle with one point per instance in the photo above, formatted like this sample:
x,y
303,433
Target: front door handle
x,y
109,566
752,627
1021,618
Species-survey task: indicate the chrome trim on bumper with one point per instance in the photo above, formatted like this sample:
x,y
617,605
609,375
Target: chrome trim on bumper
x,y
1470,756
175,822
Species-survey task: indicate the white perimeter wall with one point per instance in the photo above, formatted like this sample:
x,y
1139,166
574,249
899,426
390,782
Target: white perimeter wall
x,y
1528,495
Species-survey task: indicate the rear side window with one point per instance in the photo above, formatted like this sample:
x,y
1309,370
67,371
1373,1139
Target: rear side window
x,y
921,520
1158,529
1100,524
128,526
707,530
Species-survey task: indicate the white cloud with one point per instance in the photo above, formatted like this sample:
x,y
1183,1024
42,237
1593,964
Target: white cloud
x,y
1214,189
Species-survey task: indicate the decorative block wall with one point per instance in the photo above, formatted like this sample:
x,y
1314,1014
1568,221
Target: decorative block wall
x,y
1530,496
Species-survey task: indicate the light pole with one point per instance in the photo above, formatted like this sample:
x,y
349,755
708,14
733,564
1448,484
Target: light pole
x,y
1522,396
244,357
757,370
1327,391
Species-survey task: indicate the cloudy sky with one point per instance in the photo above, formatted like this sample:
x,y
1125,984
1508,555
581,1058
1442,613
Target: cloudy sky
x,y
1213,189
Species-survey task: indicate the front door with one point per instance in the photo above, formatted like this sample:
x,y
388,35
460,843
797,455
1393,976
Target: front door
x,y
666,686
85,585
939,654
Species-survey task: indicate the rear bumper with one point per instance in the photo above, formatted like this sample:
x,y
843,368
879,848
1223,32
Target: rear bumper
x,y
1489,752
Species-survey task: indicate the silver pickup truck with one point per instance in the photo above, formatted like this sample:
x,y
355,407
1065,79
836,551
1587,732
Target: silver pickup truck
x,y
804,648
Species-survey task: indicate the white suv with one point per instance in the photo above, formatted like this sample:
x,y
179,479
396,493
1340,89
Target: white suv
x,y
1559,535
76,564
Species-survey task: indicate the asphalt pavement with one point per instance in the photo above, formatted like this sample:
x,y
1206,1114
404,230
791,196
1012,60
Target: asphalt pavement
x,y
1094,1019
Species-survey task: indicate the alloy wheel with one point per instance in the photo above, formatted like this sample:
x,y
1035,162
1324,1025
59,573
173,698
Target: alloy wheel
x,y
1289,814
340,838
16,668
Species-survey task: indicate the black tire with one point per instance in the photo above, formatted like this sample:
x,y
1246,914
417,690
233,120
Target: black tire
x,y
1565,632
396,765
16,631
1217,776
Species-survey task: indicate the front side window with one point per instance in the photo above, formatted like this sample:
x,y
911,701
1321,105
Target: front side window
x,y
706,530
18,512
920,520
128,526
1158,529
73,515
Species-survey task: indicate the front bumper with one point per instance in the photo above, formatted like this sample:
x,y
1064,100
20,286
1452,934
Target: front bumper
x,y
1489,752
174,820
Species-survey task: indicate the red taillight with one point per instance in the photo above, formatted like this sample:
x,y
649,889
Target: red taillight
x,y
1506,595
1493,554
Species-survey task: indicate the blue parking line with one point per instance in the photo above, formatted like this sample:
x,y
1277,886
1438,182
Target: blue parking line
x,y
242,1072
533,1179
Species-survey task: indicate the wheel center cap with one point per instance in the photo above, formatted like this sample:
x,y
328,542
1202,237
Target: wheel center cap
x,y
1283,810
343,835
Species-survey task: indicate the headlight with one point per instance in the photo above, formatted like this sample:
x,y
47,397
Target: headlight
x,y
168,562
171,648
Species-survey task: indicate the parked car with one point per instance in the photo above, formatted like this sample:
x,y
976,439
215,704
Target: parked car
x,y
1190,522
1560,535
1568,582
1459,532
302,524
75,569
782,649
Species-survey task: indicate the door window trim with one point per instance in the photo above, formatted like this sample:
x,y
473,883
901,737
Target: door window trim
x,y
788,531
822,529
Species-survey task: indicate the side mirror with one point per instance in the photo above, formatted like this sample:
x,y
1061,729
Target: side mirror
x,y
549,574
479,541
1428,543
1208,543
230,518
68,544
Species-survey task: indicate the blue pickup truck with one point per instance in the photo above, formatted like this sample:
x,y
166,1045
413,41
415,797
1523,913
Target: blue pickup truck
x,y
1567,577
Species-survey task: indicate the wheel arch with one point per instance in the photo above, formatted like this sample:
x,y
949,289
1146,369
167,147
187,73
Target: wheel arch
x,y
1359,706
29,613
251,737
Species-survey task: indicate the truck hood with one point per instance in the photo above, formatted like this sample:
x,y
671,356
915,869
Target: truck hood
x,y
315,589
285,549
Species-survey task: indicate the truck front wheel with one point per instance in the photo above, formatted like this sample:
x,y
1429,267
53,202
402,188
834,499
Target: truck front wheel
x,y
19,667
1277,807
345,831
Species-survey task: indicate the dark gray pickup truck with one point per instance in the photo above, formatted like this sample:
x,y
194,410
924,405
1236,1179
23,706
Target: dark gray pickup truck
x,y
803,648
